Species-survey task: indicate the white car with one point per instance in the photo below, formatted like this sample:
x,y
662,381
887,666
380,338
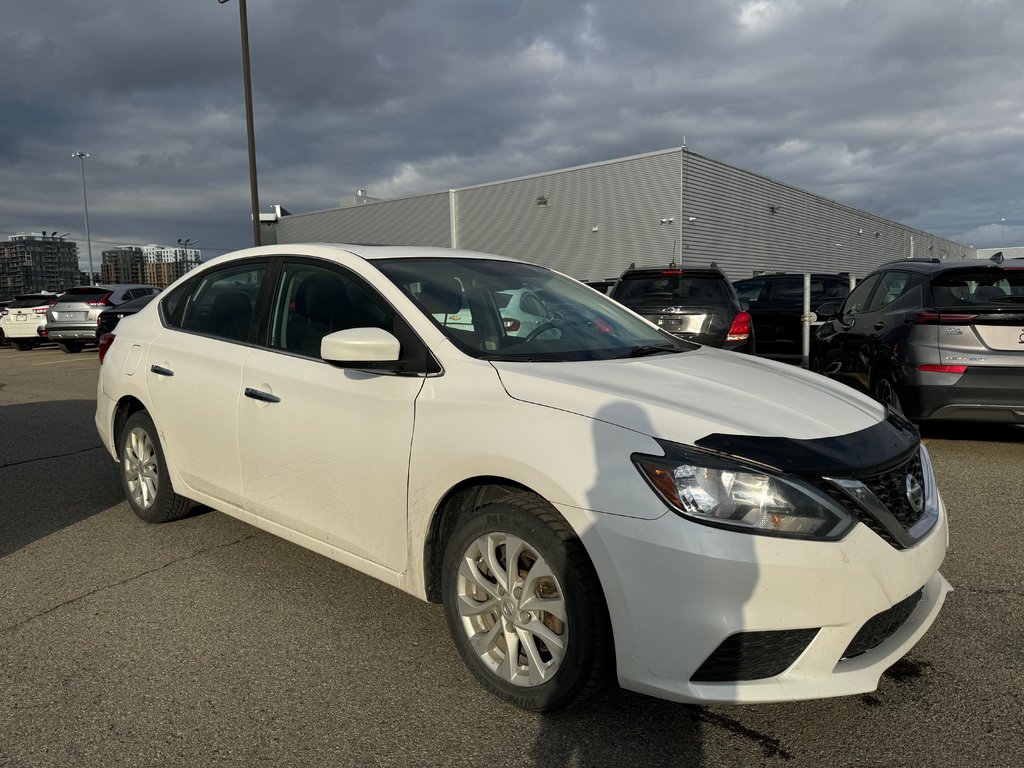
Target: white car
x,y
606,502
22,319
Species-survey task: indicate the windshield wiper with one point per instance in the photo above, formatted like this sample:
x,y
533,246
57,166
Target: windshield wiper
x,y
645,350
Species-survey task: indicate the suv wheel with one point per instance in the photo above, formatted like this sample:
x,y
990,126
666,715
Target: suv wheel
x,y
884,391
524,605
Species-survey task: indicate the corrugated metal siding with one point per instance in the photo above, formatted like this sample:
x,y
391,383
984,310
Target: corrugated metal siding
x,y
419,220
625,200
719,213
736,227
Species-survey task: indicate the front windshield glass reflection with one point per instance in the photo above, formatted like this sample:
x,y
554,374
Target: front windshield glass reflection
x,y
505,310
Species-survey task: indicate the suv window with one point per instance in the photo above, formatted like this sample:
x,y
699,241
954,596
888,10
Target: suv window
x,y
671,286
24,302
84,293
978,286
750,289
856,301
221,302
890,287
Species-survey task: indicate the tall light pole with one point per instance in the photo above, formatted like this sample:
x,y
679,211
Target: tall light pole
x,y
1003,220
243,20
85,198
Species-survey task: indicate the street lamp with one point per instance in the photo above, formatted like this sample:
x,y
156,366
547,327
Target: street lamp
x,y
250,133
1003,220
85,198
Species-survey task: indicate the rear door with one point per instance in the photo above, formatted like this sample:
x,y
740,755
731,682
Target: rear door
x,y
194,375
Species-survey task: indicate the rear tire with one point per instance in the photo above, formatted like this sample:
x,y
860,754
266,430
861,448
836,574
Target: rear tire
x,y
70,346
534,631
144,477
884,390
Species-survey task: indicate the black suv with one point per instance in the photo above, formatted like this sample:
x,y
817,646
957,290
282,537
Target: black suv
x,y
696,303
933,339
776,304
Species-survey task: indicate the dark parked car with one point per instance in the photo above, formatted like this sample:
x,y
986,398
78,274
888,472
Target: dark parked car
x,y
109,318
695,303
934,339
776,304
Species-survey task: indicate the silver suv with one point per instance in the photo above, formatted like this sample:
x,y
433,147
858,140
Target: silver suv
x,y
71,321
933,339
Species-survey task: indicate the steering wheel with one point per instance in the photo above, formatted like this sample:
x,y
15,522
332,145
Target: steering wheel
x,y
545,326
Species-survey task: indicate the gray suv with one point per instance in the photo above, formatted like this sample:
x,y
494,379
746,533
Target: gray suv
x,y
71,320
933,339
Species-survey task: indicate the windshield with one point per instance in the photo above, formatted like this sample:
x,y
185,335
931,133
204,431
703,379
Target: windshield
x,y
974,287
673,287
501,310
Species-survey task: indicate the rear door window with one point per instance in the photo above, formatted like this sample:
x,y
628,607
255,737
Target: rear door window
x,y
221,302
890,287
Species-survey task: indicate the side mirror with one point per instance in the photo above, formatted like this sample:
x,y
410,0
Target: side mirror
x,y
827,310
366,348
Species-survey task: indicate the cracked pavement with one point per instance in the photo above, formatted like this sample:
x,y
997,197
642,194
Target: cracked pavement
x,y
207,642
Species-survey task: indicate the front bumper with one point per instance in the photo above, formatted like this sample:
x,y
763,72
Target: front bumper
x,y
678,590
980,394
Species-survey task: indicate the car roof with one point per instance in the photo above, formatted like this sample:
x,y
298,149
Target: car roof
x,y
932,266
773,275
681,268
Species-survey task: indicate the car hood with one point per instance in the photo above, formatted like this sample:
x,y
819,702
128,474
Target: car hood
x,y
684,397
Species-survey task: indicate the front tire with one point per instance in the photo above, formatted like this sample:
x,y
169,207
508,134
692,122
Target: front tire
x,y
524,605
147,486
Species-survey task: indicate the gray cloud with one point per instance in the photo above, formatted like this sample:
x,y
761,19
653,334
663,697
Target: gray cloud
x,y
908,109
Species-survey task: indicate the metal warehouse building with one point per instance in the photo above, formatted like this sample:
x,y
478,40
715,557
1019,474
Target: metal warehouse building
x,y
593,221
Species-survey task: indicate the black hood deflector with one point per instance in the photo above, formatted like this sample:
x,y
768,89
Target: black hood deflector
x,y
875,448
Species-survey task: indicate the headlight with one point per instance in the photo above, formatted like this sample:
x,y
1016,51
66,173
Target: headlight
x,y
716,491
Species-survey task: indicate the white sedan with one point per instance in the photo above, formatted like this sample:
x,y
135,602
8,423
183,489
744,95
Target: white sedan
x,y
608,502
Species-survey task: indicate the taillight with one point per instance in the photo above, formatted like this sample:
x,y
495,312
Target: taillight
x,y
511,324
43,333
103,301
740,328
945,318
942,368
40,310
105,341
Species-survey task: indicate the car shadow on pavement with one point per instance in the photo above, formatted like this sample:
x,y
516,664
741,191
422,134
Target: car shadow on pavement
x,y
54,471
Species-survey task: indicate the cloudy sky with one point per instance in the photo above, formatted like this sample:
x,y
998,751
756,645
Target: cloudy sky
x,y
910,109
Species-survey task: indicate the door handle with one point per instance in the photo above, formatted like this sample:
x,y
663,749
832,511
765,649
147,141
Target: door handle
x,y
263,397
879,325
159,370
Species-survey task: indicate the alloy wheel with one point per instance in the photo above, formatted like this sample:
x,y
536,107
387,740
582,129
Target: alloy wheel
x,y
512,609
141,468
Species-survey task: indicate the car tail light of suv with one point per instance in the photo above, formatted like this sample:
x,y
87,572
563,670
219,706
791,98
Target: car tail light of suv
x,y
740,328
103,301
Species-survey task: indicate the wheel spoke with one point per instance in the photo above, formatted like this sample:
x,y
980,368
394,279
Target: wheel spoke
x,y
470,571
470,606
538,669
489,545
553,605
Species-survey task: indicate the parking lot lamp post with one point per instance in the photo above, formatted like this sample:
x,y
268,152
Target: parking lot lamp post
x,y
85,198
250,133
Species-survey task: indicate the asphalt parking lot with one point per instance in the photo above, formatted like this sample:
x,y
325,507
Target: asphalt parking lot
x,y
207,642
